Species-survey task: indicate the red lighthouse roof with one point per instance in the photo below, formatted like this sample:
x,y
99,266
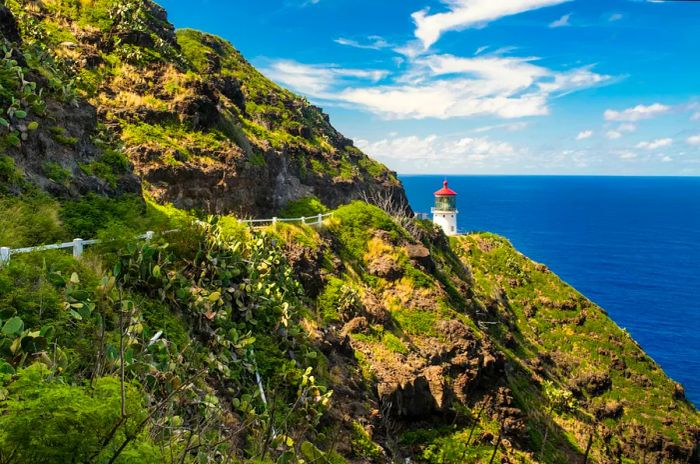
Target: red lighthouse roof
x,y
445,191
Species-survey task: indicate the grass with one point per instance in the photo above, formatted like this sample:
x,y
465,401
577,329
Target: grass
x,y
303,207
355,224
29,221
175,138
578,343
56,172
59,134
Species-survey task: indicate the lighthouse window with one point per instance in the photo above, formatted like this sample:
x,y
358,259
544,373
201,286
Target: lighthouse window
x,y
453,228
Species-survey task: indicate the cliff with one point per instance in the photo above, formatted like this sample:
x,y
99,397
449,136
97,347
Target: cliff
x,y
101,94
371,339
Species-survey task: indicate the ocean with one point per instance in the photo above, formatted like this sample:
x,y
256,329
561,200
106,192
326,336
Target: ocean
x,y
630,244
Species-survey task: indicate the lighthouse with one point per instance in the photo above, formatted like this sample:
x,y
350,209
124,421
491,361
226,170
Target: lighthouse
x,y
445,209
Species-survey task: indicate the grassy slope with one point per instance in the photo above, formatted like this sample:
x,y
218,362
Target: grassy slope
x,y
552,320
182,101
222,295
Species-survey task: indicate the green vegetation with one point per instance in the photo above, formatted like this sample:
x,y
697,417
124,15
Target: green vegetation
x,y
45,420
9,173
56,172
59,134
362,444
303,207
217,343
29,221
338,301
176,142
356,224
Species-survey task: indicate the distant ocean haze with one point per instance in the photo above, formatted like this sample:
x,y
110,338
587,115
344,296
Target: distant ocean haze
x,y
630,244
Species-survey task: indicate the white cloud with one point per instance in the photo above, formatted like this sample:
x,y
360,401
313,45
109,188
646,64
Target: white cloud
x,y
655,144
512,127
621,130
441,86
695,116
561,22
435,154
463,14
666,159
637,113
625,154
587,134
615,17
318,80
373,42
626,128
694,140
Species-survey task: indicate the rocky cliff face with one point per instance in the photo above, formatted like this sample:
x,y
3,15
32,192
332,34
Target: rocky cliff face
x,y
457,343
202,128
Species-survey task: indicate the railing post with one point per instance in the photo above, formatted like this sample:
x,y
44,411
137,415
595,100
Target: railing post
x,y
320,219
78,247
149,235
303,220
274,221
4,255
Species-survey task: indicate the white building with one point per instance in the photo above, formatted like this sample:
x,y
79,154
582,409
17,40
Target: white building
x,y
445,209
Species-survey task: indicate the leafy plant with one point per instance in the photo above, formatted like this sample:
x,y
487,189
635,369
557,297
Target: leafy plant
x,y
303,207
56,172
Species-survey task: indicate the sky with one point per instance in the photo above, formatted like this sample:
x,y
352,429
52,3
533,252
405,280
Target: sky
x,y
576,87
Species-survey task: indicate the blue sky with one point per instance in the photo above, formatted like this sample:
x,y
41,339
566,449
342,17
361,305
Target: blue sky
x,y
485,86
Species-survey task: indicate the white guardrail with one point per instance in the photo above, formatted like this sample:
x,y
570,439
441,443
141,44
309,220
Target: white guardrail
x,y
78,244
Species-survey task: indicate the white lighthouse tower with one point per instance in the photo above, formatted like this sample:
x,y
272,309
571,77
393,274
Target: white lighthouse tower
x,y
445,209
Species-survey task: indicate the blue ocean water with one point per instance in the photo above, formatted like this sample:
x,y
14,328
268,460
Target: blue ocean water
x,y
630,244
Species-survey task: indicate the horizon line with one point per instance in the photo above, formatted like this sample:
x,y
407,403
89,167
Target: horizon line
x,y
682,176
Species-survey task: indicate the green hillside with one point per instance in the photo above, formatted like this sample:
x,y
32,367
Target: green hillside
x,y
372,338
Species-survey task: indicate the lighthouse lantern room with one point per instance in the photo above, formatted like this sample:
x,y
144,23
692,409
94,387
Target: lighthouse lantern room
x,y
445,209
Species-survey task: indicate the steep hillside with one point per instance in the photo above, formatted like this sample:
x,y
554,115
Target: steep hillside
x,y
368,340
371,339
201,126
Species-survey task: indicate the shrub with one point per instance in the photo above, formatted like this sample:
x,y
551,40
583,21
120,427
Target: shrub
x,y
45,420
303,207
56,172
337,300
85,217
29,221
357,223
9,173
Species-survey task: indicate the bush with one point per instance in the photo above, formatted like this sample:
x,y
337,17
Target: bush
x,y
9,173
337,300
45,420
303,207
358,221
56,172
29,221
85,217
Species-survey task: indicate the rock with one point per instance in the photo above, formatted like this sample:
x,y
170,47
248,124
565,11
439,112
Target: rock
x,y
420,255
385,267
409,400
8,25
356,325
305,262
678,392
618,363
438,388
594,384
609,410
